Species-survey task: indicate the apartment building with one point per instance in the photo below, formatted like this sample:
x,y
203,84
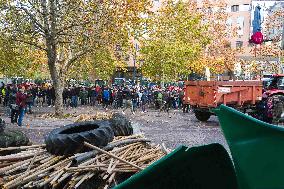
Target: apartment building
x,y
240,18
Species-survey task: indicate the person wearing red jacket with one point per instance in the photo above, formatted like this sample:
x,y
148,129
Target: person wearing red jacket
x,y
21,98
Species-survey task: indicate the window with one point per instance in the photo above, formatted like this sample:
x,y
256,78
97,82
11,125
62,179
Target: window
x,y
210,10
227,44
229,23
280,83
235,8
239,44
240,25
245,7
229,26
137,47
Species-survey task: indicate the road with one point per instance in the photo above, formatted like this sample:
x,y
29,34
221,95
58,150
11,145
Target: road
x,y
174,130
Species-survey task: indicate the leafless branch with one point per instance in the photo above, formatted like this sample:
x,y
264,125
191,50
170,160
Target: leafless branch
x,y
75,57
32,17
45,19
30,43
71,26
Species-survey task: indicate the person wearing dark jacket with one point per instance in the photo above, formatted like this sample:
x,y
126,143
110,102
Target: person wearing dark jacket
x,y
13,106
29,100
94,95
74,98
49,96
40,97
144,100
127,99
21,98
83,94
119,98
134,100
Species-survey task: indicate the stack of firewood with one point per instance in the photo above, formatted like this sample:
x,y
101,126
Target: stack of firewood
x,y
34,167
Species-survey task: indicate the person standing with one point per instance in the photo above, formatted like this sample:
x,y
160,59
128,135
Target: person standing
x,y
111,96
29,100
144,99
49,96
169,100
83,96
119,98
21,98
159,100
40,96
134,100
13,106
5,99
140,92
126,99
106,98
94,95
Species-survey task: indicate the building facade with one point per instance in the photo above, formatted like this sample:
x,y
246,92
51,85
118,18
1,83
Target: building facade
x,y
241,16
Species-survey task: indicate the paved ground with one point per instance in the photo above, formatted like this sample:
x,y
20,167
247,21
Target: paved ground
x,y
173,131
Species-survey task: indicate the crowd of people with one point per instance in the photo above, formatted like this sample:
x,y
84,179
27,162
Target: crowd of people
x,y
21,98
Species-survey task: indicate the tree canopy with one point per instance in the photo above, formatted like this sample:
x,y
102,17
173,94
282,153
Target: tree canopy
x,y
174,39
69,31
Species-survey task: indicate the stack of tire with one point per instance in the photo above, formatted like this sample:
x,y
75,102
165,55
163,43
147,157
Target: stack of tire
x,y
70,139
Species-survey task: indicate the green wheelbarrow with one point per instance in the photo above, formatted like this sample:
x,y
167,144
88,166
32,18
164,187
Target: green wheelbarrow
x,y
257,149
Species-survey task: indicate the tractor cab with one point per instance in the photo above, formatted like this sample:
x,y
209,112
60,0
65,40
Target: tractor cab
x,y
275,83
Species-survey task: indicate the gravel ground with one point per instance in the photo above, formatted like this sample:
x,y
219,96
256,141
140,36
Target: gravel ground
x,y
178,129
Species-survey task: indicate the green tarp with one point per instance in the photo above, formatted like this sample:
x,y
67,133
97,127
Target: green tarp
x,y
205,167
257,149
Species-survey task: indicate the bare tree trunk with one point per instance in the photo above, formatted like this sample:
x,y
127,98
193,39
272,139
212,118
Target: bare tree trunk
x,y
58,87
49,23
58,83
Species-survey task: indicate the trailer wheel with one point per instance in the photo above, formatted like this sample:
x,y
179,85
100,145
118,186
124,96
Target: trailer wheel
x,y
202,116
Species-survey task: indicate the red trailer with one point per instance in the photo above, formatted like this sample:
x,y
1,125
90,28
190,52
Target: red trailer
x,y
205,95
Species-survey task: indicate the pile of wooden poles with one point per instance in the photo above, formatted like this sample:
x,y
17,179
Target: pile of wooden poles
x,y
34,167
91,117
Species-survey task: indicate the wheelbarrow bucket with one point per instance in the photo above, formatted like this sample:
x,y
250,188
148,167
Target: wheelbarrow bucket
x,y
257,149
204,167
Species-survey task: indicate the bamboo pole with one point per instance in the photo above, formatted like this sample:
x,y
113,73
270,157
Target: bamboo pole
x,y
21,147
111,155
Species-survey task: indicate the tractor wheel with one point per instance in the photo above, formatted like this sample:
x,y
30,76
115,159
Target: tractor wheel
x,y
202,116
277,108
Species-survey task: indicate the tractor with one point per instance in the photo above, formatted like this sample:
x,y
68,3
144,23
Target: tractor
x,y
272,99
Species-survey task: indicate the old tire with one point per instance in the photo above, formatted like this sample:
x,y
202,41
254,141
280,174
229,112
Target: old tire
x,y
13,138
70,139
202,116
121,125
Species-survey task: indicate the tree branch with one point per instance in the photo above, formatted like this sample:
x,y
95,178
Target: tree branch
x,y
71,26
45,19
32,17
77,56
30,43
34,7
